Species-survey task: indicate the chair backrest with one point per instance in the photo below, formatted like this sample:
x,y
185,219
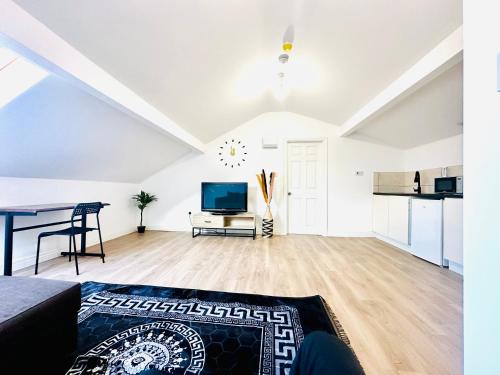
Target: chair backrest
x,y
86,209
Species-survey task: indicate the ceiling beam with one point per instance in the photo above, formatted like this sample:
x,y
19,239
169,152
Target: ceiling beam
x,y
29,37
441,58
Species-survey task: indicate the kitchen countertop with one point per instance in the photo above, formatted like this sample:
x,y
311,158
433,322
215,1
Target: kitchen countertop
x,y
435,196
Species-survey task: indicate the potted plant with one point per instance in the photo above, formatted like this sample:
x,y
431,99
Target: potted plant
x,y
142,200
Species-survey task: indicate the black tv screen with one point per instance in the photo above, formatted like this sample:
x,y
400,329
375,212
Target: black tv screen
x,y
224,197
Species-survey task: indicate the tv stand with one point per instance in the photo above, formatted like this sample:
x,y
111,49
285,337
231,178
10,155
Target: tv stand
x,y
235,225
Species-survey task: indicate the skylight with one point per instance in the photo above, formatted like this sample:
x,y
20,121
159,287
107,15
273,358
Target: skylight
x,y
16,75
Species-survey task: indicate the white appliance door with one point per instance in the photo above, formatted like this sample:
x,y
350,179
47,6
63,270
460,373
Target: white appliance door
x,y
427,230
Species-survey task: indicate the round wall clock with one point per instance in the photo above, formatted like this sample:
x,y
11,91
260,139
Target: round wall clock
x,y
232,153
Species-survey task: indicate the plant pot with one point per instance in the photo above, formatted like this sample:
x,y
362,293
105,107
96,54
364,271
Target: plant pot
x,y
141,228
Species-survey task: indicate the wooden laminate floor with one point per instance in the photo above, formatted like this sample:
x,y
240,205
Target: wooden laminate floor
x,y
403,315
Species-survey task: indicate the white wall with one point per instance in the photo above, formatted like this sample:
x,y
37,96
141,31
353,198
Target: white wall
x,y
349,196
443,153
482,206
118,219
58,131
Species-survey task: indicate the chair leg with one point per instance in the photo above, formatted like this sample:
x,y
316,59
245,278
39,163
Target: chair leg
x,y
76,258
69,255
37,255
100,237
100,241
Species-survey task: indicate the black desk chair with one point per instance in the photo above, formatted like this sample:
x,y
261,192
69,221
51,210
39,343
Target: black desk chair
x,y
80,210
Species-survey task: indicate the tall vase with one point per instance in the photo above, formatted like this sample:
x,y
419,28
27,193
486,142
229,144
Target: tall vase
x,y
267,223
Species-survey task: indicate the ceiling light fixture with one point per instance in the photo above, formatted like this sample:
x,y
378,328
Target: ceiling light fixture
x,y
287,46
281,88
278,75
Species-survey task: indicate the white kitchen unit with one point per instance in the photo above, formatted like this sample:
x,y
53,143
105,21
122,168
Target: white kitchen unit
x,y
399,217
453,233
381,214
391,217
427,230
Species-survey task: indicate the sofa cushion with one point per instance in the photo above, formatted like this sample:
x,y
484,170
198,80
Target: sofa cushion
x,y
38,325
24,297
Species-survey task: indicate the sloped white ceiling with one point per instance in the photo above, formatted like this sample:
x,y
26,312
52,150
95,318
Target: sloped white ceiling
x,y
58,131
433,112
187,57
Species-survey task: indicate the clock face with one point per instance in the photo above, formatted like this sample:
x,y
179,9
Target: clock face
x,y
232,153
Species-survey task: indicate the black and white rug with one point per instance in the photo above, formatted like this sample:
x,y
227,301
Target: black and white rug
x,y
136,329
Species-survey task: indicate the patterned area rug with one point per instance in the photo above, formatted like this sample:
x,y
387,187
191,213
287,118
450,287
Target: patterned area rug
x,y
135,329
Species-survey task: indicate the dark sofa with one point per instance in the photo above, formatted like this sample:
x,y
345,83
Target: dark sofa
x,y
38,324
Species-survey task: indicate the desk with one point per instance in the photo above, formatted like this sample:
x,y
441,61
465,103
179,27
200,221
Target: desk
x,y
34,210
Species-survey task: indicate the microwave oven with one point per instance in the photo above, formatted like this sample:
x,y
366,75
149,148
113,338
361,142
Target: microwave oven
x,y
453,185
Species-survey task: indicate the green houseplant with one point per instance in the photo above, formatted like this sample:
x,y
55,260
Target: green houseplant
x,y
142,200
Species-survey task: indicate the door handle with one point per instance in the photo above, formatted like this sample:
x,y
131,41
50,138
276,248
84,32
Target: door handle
x,y
289,193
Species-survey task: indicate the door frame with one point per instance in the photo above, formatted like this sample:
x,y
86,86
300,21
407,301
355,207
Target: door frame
x,y
324,145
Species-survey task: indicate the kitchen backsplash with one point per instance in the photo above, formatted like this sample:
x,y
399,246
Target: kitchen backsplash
x,y
402,182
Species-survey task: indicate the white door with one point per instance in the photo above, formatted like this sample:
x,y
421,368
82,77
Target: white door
x,y
307,206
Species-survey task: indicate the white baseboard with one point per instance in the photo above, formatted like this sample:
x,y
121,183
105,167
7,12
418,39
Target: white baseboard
x,y
393,243
162,228
456,267
166,229
351,234
452,266
259,231
30,260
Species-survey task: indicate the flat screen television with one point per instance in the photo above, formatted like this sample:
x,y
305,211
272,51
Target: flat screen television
x,y
224,197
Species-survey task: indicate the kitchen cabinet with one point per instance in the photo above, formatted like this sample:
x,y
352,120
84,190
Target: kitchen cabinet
x,y
429,226
399,214
453,230
427,230
381,214
391,217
